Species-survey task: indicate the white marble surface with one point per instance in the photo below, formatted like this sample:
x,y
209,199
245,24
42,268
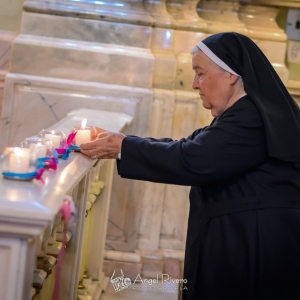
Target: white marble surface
x,y
6,39
152,198
123,11
30,202
86,61
28,98
188,116
79,29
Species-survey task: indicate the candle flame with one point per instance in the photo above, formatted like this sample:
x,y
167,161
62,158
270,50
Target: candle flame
x,y
18,151
52,131
83,123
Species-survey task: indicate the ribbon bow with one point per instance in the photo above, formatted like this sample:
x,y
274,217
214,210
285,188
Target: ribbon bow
x,y
67,153
51,163
39,173
48,162
68,145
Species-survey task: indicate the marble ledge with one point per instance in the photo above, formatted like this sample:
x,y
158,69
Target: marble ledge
x,y
161,254
84,61
126,11
27,97
85,30
122,256
31,202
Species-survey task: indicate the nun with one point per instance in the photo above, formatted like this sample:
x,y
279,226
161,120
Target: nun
x,y
243,239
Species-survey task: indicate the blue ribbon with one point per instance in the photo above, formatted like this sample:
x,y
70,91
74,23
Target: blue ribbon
x,y
67,153
20,175
40,161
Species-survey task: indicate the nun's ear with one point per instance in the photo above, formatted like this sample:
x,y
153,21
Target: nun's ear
x,y
233,79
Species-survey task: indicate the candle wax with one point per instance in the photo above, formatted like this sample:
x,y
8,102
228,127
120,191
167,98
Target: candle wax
x,y
37,151
54,138
19,162
82,136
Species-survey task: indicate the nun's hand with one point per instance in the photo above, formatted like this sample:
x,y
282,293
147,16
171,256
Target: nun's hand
x,y
108,145
96,133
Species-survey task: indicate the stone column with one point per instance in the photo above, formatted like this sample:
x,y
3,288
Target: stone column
x,y
221,16
188,115
262,28
161,116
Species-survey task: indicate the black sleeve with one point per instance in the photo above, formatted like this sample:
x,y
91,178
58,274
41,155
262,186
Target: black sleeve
x,y
232,145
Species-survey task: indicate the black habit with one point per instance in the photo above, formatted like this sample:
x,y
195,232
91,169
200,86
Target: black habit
x,y
243,239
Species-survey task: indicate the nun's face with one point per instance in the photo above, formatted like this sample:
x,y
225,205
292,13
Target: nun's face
x,y
214,84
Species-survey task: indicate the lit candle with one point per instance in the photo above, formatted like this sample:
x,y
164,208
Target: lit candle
x,y
19,160
37,150
83,135
54,138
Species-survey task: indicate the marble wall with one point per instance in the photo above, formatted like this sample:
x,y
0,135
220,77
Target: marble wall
x,y
6,39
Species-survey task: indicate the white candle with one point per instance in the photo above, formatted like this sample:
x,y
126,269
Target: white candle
x,y
19,160
83,135
54,138
37,150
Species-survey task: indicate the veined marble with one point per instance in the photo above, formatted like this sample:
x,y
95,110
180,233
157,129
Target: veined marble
x,y
221,16
188,116
185,15
78,29
123,11
84,61
6,39
28,98
152,198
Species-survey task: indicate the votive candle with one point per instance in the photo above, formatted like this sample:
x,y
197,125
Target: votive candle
x,y
19,160
54,138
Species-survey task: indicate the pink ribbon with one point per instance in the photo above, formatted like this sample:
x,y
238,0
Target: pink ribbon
x,y
39,174
50,163
71,138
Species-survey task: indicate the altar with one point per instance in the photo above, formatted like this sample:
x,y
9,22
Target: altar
x,y
31,227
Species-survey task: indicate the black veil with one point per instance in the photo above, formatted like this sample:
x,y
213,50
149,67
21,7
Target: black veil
x,y
280,113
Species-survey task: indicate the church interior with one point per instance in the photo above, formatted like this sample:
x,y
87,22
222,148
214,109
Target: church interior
x,y
124,66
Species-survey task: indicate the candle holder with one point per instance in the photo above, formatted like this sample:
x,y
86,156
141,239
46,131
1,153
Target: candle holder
x,y
39,147
58,138
15,164
84,134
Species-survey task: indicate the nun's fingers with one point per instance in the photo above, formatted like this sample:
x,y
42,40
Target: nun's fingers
x,y
96,149
96,132
89,146
90,153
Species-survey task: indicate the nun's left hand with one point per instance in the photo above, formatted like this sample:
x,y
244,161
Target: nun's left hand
x,y
108,145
